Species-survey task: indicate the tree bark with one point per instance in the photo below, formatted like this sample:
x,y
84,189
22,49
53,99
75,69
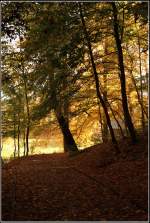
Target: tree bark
x,y
24,143
15,147
68,138
65,112
26,101
28,115
64,139
27,141
127,116
18,138
105,127
100,120
87,37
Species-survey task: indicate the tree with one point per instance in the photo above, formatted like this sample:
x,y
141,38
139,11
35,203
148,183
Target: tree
x,y
58,63
97,80
53,75
127,116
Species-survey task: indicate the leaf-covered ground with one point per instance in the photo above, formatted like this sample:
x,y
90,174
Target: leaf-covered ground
x,y
94,185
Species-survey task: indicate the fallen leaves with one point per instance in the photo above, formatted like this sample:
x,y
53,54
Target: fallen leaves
x,y
58,187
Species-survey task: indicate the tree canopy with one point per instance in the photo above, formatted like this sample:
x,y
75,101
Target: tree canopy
x,y
79,70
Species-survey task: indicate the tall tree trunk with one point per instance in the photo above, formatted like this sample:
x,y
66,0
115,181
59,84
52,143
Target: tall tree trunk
x,y
122,25
28,115
27,140
87,37
65,111
141,77
136,88
15,146
64,139
147,79
67,124
26,101
24,143
105,127
127,116
18,138
100,120
69,140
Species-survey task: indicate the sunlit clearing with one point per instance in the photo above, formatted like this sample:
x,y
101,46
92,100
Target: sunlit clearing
x,y
8,149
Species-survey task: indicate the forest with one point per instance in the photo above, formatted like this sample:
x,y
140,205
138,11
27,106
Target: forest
x,y
74,102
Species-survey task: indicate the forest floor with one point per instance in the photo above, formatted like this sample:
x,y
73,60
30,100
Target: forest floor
x,y
94,185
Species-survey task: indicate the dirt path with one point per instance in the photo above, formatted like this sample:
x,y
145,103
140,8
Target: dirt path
x,y
59,188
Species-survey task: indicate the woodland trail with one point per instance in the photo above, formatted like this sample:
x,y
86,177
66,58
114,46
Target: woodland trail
x,y
58,187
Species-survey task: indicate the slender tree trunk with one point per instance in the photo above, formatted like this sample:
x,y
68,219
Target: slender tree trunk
x,y
100,120
28,116
141,79
24,131
18,138
69,140
87,37
123,121
24,143
26,101
27,140
137,91
64,141
127,116
66,116
130,104
147,79
121,130
105,127
122,26
141,87
138,95
15,147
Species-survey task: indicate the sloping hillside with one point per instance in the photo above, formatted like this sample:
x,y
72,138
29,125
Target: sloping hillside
x,y
93,185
